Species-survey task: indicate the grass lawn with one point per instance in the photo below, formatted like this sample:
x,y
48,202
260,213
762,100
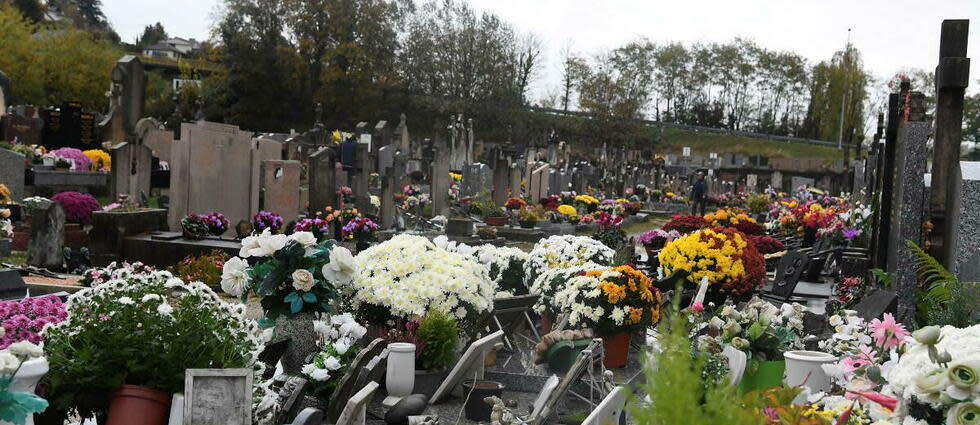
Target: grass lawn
x,y
674,140
16,258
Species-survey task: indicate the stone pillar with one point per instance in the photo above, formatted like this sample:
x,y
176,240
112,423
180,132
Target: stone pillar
x,y
907,204
323,179
362,173
883,218
501,180
131,168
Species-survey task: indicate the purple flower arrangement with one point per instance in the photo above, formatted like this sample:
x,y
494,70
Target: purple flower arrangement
x,y
360,228
318,226
214,224
657,238
80,161
24,319
78,206
267,220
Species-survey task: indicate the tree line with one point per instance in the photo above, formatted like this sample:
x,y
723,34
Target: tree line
x,y
364,60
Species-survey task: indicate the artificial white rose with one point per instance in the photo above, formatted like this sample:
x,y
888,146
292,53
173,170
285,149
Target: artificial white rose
x,y
716,323
320,375
341,268
740,343
305,239
303,280
268,244
248,244
234,277
331,363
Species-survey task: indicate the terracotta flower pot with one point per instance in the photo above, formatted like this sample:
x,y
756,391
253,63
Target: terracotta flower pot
x,y
546,323
617,349
136,405
495,221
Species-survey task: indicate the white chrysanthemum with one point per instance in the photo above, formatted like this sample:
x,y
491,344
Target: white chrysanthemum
x,y
409,275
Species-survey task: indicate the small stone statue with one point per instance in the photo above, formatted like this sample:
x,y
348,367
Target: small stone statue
x,y
500,414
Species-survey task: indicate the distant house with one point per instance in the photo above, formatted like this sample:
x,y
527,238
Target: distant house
x,y
173,48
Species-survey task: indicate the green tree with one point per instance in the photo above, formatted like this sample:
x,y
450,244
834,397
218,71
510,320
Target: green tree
x,y
31,9
840,82
152,34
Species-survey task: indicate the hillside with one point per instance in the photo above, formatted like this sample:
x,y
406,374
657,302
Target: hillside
x,y
703,143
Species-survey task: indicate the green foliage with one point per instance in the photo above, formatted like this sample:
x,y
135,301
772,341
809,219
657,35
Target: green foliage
x,y
757,203
204,268
677,392
613,237
943,298
437,334
49,67
884,278
152,34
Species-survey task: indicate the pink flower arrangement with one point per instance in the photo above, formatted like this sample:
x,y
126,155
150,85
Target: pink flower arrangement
x,y
78,206
81,162
606,220
24,319
888,333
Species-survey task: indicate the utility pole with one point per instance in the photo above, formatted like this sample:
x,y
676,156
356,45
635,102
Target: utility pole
x,y
843,95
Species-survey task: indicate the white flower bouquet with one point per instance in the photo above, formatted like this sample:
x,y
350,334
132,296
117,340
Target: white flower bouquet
x,y
505,265
292,274
557,256
338,340
409,276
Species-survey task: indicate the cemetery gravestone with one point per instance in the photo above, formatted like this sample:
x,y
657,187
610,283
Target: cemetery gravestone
x,y
160,142
965,219
218,396
798,181
212,171
323,179
476,178
46,247
907,206
131,168
280,187
12,173
26,128
126,99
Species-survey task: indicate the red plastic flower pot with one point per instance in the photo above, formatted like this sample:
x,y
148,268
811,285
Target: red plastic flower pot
x,y
617,349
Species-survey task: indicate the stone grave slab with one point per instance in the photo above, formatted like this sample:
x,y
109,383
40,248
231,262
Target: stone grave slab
x,y
356,407
130,175
610,410
46,247
280,187
12,286
966,244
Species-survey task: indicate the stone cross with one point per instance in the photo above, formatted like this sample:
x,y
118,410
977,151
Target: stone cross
x,y
952,78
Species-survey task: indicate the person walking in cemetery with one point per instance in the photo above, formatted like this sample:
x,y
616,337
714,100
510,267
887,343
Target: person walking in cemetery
x,y
699,195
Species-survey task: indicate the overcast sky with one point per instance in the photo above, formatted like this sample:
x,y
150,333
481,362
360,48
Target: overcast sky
x,y
891,35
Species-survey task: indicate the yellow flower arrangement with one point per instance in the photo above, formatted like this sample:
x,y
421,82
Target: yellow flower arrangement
x,y
567,210
456,176
727,217
721,254
5,194
610,300
100,159
586,199
670,194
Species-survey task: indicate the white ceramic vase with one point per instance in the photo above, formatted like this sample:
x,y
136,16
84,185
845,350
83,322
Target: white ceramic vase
x,y
26,379
806,366
400,373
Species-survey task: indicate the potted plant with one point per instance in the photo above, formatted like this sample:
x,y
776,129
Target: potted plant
x,y
764,332
733,266
23,362
193,226
205,268
77,160
362,230
627,300
560,349
124,347
486,233
62,164
408,276
545,273
296,277
267,220
530,216
495,217
435,337
655,239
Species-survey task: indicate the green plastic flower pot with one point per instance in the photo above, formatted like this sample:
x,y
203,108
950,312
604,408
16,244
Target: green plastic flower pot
x,y
765,375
